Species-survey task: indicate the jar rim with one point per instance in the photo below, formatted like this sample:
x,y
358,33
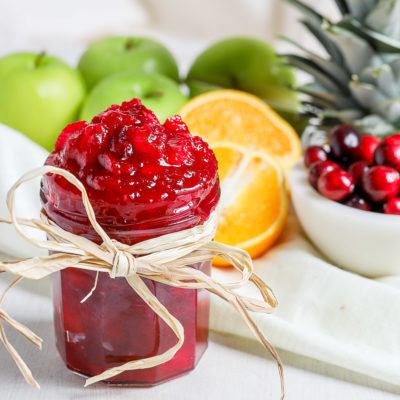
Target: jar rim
x,y
116,226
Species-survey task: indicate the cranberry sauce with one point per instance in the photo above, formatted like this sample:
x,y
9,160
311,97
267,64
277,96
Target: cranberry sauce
x,y
115,326
143,179
136,171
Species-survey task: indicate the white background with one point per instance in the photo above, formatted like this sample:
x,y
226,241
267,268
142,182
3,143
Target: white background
x,y
65,28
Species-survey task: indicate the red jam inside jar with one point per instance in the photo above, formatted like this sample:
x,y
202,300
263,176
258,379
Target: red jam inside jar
x,y
144,179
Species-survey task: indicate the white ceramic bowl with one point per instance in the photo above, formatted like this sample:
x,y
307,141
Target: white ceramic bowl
x,y
364,242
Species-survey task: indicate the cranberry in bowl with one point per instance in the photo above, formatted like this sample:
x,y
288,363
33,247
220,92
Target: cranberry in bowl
x,y
348,203
144,179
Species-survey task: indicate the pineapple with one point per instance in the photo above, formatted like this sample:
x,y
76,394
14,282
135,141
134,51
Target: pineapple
x,y
359,81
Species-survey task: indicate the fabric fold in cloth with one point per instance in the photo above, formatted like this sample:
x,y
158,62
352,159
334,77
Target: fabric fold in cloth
x,y
18,155
324,312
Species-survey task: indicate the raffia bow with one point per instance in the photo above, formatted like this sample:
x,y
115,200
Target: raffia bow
x,y
163,259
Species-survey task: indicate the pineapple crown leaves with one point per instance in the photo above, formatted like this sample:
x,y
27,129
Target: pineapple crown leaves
x,y
359,80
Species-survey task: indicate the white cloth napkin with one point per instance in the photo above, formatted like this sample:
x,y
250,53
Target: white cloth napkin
x,y
18,155
324,313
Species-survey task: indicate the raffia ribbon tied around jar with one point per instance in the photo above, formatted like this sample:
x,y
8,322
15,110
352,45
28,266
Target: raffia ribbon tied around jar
x,y
163,259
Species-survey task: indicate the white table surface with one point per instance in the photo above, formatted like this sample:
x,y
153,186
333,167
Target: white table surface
x,y
231,368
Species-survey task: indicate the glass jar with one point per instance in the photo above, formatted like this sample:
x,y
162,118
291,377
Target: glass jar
x,y
144,179
115,325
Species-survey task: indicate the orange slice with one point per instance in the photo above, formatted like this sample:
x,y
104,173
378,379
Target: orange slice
x,y
244,119
254,200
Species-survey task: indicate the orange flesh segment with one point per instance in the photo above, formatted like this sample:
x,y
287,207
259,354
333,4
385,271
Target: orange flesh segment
x,y
241,118
253,205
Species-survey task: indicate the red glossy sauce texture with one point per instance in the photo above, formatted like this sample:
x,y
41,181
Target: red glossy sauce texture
x,y
144,179
136,171
115,326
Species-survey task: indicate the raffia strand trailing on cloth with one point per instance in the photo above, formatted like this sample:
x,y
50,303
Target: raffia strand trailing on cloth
x,y
163,259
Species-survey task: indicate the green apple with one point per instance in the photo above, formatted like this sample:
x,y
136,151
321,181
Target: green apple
x,y
159,93
118,54
39,95
244,64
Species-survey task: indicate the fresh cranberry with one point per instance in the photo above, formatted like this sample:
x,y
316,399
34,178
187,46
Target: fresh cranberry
x,y
345,143
368,147
313,154
357,170
318,168
381,183
392,206
335,185
356,201
388,152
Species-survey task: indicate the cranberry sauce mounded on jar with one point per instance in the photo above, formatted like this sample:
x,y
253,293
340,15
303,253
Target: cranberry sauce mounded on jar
x,y
144,179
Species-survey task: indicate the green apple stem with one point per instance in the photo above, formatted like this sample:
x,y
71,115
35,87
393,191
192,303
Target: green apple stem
x,y
153,94
39,58
129,43
234,82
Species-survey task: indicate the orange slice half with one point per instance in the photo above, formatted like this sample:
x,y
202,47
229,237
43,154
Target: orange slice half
x,y
244,119
254,200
